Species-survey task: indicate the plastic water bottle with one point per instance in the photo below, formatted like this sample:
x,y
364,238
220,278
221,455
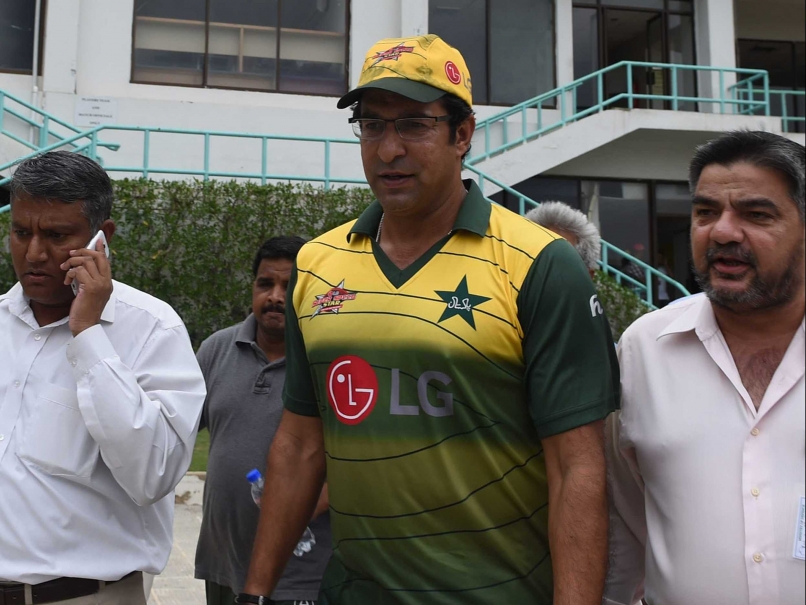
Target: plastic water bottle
x,y
307,541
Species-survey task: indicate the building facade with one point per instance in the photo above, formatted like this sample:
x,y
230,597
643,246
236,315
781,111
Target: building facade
x,y
276,67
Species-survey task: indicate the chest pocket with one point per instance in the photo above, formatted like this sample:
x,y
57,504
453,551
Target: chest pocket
x,y
55,437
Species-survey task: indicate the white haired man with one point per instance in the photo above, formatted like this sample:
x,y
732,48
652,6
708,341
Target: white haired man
x,y
572,225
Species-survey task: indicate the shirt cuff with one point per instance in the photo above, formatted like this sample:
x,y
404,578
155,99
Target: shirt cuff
x,y
88,349
299,407
598,410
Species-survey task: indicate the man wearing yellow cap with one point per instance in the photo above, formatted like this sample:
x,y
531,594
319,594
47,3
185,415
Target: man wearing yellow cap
x,y
449,368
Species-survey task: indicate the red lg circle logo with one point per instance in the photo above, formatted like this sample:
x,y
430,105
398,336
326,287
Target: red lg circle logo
x,y
453,73
352,389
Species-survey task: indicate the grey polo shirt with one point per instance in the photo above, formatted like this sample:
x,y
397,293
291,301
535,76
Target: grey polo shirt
x,y
242,412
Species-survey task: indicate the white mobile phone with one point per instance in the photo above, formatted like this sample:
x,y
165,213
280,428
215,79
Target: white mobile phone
x,y
100,236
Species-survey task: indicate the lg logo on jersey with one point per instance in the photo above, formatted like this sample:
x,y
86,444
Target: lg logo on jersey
x,y
352,391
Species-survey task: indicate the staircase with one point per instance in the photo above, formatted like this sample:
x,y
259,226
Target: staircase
x,y
554,128
509,147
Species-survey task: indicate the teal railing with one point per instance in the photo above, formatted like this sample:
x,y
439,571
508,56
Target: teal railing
x,y
46,127
643,289
563,100
786,104
88,142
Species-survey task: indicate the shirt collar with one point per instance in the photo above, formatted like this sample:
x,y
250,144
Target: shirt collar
x,y
474,215
247,331
698,316
19,307
247,335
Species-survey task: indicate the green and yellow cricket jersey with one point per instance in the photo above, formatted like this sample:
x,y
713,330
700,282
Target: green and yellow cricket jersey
x,y
435,385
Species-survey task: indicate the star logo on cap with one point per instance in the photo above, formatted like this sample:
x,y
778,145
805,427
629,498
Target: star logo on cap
x,y
391,54
460,302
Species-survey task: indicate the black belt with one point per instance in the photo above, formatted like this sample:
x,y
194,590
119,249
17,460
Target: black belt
x,y
52,591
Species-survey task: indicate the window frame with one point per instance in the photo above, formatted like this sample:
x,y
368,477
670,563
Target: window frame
x,y
487,11
43,11
665,12
278,77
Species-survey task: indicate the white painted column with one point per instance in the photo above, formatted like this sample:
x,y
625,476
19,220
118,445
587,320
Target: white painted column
x,y
370,21
564,41
413,18
564,48
59,62
716,45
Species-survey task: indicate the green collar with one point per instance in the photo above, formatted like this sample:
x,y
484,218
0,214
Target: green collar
x,y
474,215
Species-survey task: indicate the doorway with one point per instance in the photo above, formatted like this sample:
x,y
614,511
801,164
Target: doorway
x,y
633,35
651,31
672,235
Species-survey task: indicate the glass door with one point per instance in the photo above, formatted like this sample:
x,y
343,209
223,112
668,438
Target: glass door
x,y
634,35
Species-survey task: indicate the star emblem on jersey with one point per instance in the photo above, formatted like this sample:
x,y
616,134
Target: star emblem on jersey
x,y
460,302
331,302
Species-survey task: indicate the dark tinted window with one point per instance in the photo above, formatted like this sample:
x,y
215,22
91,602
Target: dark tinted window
x,y
236,44
508,45
17,35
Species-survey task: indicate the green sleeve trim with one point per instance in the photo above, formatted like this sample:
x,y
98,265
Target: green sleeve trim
x,y
302,408
299,395
571,369
598,410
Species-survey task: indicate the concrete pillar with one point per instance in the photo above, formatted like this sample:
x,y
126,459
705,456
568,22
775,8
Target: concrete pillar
x,y
715,39
413,18
564,41
59,62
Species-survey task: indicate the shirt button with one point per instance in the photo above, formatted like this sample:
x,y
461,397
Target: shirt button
x,y
755,492
757,557
755,432
37,337
17,384
2,437
73,363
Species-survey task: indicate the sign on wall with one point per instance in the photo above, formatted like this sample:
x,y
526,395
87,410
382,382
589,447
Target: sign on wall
x,y
95,111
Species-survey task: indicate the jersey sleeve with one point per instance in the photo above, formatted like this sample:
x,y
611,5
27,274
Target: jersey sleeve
x,y
299,395
572,373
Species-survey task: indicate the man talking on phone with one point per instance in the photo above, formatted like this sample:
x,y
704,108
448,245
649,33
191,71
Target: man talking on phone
x,y
100,397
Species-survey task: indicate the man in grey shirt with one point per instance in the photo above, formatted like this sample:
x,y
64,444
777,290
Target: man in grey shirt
x,y
244,368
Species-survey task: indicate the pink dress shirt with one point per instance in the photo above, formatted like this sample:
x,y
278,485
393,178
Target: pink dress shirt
x,y
706,490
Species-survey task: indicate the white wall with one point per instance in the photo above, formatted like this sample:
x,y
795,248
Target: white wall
x,y
88,52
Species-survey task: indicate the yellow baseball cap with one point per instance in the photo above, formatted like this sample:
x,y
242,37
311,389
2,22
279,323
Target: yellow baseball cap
x,y
422,68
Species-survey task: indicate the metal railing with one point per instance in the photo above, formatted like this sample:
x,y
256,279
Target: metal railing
x,y
88,142
564,100
780,103
44,125
643,289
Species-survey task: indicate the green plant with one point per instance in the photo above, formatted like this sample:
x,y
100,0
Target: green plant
x,y
191,244
621,305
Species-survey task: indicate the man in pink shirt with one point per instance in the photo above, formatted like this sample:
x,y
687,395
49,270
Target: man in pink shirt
x,y
707,455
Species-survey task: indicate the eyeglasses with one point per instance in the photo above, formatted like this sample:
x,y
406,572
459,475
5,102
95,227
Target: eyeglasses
x,y
410,129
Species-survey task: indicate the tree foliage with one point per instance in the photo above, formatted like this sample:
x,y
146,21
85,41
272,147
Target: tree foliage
x,y
621,305
191,244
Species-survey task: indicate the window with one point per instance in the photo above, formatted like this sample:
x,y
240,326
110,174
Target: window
x,y
17,36
508,45
654,31
784,61
297,46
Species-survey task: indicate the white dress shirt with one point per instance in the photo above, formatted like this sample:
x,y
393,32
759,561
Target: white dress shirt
x,y
95,433
706,489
